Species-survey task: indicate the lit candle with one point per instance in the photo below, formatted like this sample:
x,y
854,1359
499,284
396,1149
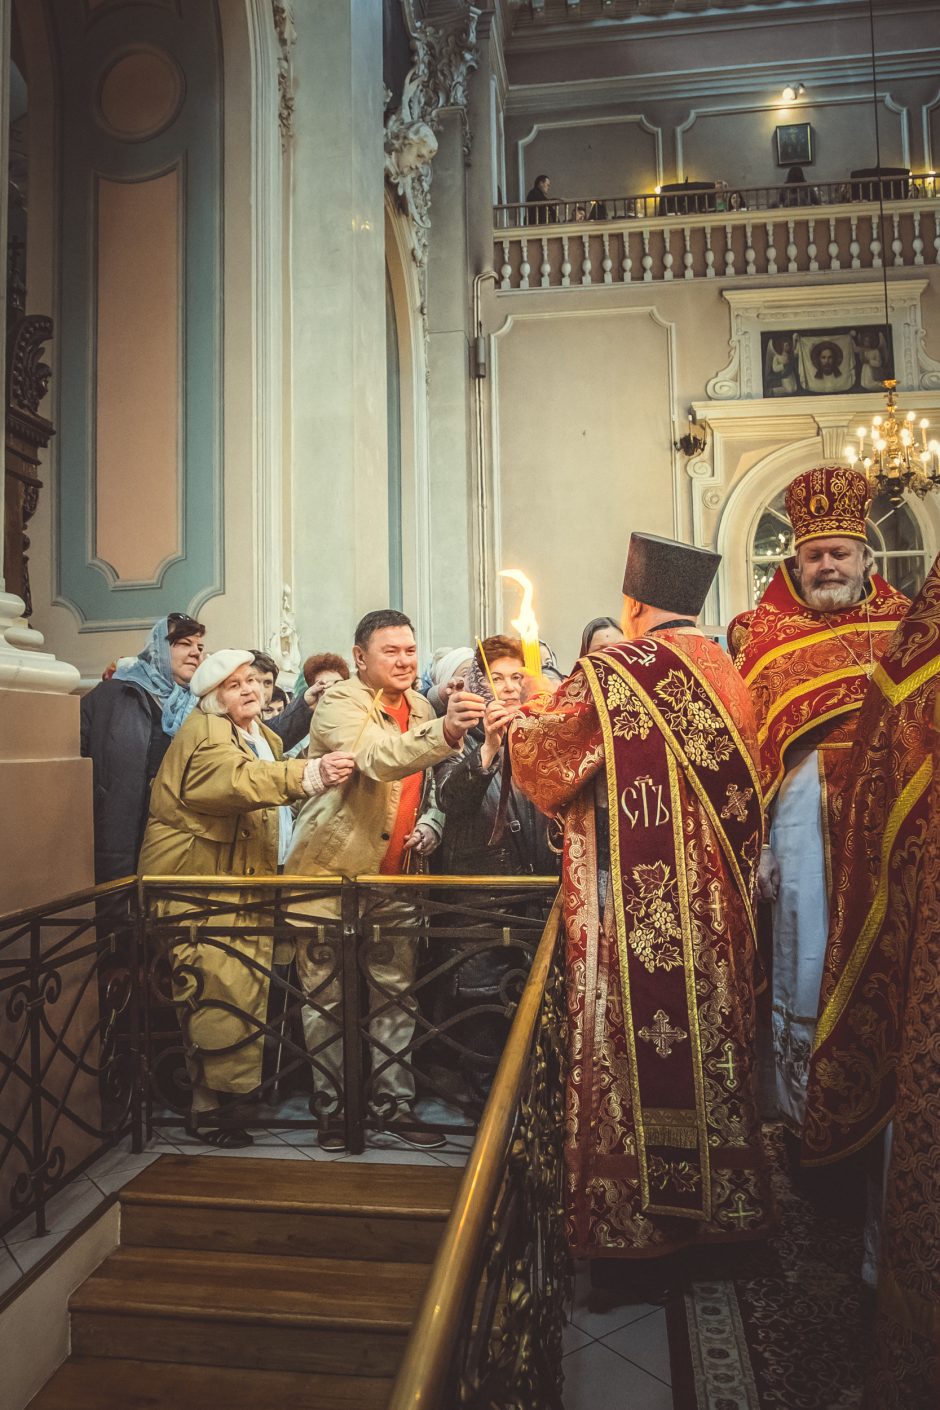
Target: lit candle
x,y
526,624
923,432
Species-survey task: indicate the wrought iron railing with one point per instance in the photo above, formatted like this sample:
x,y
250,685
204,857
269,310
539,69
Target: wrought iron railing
x,y
69,1043
489,1329
364,989
360,991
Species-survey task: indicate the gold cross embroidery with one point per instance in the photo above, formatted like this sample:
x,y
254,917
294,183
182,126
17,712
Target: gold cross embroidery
x,y
737,801
741,1212
662,1035
728,1065
715,905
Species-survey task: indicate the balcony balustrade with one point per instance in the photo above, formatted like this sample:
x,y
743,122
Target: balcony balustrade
x,y
683,233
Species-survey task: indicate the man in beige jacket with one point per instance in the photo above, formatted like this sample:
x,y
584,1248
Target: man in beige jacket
x,y
373,825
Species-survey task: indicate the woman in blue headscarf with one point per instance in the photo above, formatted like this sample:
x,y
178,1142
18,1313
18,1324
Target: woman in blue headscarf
x,y
127,724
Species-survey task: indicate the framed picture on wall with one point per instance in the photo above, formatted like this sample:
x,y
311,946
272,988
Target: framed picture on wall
x,y
799,362
794,144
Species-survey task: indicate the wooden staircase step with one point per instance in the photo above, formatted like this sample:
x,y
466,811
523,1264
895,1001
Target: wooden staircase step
x,y
226,1309
326,1209
90,1383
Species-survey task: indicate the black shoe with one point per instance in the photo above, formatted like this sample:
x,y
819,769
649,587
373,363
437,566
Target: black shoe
x,y
331,1136
224,1137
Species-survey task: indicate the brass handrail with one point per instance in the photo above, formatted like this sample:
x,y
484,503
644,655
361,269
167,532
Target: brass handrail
x,y
271,883
446,1300
62,903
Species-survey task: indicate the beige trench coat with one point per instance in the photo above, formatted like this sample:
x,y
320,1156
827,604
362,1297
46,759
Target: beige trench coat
x,y
214,812
346,830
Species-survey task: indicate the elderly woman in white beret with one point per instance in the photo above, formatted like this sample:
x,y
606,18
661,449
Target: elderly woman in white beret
x,y
220,806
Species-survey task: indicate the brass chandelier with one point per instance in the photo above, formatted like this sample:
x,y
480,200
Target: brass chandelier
x,y
894,464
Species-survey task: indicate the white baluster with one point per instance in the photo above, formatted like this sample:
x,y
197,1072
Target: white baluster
x,y
791,248
607,263
586,263
667,255
647,260
688,258
811,248
897,244
918,240
833,246
855,248
506,268
709,254
875,244
750,254
525,268
626,264
565,264
545,268
771,249
729,253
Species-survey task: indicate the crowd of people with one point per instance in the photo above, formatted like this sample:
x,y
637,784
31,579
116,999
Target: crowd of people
x,y
204,765
688,785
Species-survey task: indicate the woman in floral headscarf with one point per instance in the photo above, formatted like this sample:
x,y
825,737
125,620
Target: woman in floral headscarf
x,y
127,724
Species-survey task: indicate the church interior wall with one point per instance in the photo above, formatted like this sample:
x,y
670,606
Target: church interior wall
x,y
715,95
590,389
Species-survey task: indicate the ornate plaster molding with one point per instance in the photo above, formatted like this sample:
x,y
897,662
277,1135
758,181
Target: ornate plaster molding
x,y
286,38
819,306
444,56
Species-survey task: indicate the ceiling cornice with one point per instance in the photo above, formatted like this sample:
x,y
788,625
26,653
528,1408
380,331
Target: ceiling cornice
x,y
586,34
679,85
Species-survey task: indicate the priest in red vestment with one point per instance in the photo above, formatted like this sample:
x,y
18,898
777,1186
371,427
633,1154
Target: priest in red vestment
x,y
877,1049
807,653
647,753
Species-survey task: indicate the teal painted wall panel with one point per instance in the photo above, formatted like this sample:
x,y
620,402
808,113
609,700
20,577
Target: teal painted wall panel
x,y
87,44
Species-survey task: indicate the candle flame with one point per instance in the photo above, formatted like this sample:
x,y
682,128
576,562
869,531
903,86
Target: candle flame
x,y
526,624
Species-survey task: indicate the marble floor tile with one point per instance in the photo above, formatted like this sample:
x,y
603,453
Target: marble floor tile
x,y
63,1212
596,1378
601,1324
397,1155
573,1339
9,1269
645,1342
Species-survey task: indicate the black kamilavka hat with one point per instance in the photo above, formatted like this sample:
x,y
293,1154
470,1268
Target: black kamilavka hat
x,y
672,576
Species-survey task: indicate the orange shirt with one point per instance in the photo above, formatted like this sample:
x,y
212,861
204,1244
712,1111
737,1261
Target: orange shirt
x,y
408,803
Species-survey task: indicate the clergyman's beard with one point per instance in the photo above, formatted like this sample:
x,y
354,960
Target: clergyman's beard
x,y
834,597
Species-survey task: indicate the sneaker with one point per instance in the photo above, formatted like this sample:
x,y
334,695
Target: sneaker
x,y
407,1127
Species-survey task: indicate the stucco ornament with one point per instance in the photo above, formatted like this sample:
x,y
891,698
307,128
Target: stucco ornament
x,y
286,38
444,56
285,643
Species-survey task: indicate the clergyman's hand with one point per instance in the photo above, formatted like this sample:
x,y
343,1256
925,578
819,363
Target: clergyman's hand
x,y
768,876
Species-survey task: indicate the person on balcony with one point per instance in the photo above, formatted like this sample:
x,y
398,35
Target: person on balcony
x,y
537,211
127,723
663,1146
220,806
796,191
483,839
381,823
